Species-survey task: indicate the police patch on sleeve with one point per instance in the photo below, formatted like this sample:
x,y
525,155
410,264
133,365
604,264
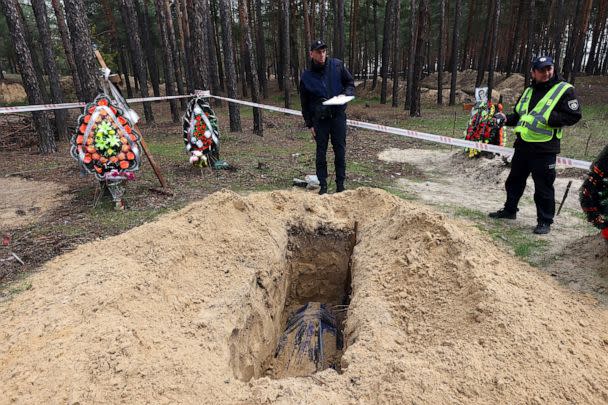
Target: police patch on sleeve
x,y
573,105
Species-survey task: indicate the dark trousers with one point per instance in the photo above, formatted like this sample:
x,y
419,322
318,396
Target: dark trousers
x,y
542,168
333,129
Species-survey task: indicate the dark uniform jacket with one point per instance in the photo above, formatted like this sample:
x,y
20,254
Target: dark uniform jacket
x,y
320,83
567,112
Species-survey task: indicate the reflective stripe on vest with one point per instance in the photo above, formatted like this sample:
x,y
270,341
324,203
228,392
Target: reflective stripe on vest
x,y
533,126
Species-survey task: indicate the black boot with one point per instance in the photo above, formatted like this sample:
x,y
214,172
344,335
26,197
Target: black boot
x,y
323,190
503,214
340,187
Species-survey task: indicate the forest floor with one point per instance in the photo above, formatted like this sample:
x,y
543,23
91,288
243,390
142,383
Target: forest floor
x,y
47,209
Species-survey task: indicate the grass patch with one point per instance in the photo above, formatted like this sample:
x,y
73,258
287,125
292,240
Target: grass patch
x,y
524,243
17,286
169,148
106,216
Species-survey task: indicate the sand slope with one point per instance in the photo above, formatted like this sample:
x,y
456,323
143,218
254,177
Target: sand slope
x,y
176,311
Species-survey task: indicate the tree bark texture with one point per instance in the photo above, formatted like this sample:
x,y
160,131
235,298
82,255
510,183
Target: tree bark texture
x,y
454,58
67,46
250,69
167,58
229,65
46,141
421,35
88,71
48,59
286,59
129,17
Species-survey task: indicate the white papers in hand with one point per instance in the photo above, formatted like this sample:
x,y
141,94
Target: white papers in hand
x,y
338,100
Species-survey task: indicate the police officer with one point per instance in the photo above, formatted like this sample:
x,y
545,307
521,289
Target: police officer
x,y
326,78
541,112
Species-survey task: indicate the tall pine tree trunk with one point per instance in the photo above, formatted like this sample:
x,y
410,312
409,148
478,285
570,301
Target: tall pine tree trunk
x,y
48,59
531,41
376,56
285,53
598,28
440,51
167,57
481,65
230,69
146,37
339,30
386,44
421,35
454,58
411,57
46,142
177,65
250,69
129,17
261,49
215,61
199,51
582,39
86,65
493,43
67,46
180,36
396,54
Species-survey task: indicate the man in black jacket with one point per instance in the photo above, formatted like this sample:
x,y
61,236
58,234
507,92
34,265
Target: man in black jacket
x,y
326,78
541,112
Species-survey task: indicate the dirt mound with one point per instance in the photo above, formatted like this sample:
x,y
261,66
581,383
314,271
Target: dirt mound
x,y
191,307
427,95
11,93
24,201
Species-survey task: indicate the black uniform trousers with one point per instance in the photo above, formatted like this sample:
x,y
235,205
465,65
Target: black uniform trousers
x,y
542,168
333,129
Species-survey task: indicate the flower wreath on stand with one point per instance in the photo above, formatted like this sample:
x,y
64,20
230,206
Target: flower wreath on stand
x,y
594,193
107,145
202,135
483,127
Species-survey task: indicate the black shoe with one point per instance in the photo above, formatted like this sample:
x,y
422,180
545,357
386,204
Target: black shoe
x,y
502,213
340,188
542,229
323,190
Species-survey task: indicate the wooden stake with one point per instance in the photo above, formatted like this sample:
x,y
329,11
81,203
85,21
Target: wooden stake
x,y
155,167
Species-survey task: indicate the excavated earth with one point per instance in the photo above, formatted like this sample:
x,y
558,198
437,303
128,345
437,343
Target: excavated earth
x,y
188,309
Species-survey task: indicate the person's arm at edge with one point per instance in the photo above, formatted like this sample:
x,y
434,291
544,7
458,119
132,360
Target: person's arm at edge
x,y
347,82
304,101
563,115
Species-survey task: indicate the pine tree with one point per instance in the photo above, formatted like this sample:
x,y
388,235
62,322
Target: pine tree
x,y
46,142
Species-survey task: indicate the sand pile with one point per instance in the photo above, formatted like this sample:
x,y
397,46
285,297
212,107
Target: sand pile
x,y
24,201
188,310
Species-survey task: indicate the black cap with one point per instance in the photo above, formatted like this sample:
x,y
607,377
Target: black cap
x,y
318,44
541,62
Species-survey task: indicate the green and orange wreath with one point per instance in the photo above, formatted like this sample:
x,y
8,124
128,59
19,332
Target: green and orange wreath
x,y
105,143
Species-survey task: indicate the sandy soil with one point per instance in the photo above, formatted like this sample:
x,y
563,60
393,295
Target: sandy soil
x,y
187,309
24,201
575,254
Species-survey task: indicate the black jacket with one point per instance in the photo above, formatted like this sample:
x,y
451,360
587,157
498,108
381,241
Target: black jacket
x,y
320,83
567,112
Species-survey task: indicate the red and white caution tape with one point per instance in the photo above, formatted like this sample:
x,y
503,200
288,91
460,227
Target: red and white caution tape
x,y
446,140
68,106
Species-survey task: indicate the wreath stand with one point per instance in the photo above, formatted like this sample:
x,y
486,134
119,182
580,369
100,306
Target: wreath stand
x,y
164,189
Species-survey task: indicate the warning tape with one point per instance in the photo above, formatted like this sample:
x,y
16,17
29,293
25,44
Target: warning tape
x,y
446,140
68,106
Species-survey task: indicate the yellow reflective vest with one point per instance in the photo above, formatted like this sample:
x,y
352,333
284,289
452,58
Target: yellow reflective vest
x,y
533,126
